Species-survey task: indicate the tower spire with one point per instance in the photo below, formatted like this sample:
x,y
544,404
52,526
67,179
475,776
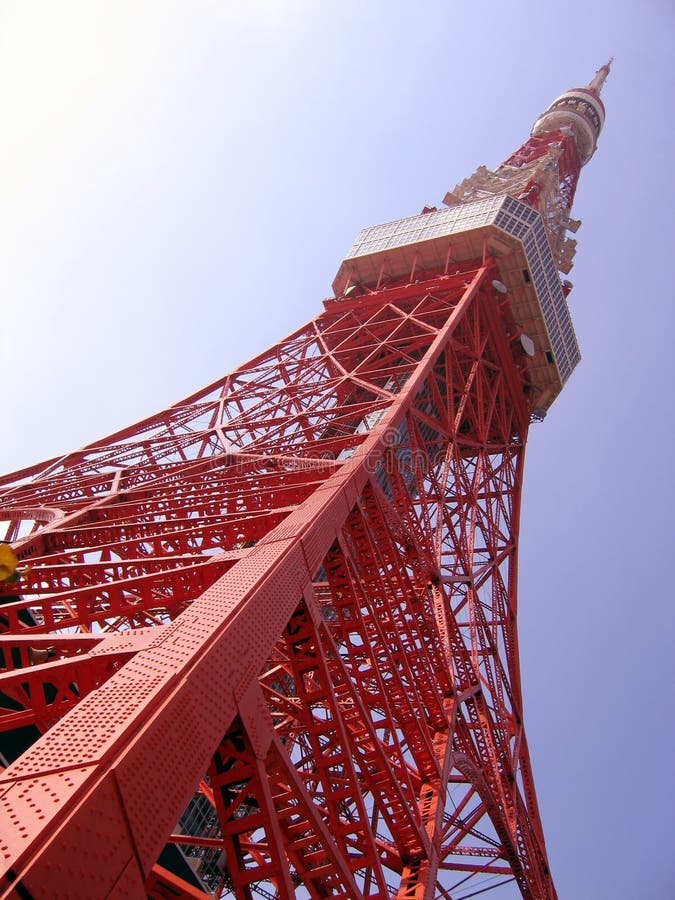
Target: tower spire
x,y
598,80
579,111
544,171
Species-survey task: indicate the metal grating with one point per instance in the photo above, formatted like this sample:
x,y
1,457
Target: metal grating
x,y
425,227
525,223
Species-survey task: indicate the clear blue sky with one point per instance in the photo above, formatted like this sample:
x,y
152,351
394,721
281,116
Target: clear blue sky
x,y
178,182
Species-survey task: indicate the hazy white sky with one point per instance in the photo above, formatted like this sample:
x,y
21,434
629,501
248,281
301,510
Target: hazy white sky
x,y
178,183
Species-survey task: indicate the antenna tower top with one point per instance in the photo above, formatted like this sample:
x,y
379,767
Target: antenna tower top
x,y
582,111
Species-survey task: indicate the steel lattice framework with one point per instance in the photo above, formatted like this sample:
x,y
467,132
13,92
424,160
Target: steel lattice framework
x,y
275,624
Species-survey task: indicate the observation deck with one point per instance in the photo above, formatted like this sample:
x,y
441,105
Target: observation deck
x,y
510,232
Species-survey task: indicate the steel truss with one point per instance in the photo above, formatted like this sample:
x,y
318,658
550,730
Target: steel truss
x,y
289,599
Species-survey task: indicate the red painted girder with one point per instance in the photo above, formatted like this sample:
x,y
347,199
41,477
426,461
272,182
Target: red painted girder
x,y
57,671
161,884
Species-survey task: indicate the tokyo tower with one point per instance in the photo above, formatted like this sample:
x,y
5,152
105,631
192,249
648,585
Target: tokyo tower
x,y
263,643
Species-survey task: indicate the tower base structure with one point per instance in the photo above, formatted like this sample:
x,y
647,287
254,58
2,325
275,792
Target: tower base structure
x,y
264,642
295,594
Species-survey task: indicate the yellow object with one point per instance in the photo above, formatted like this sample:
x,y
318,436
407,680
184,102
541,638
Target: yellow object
x,y
8,562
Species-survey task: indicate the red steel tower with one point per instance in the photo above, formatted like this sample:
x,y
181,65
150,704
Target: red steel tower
x,y
264,642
